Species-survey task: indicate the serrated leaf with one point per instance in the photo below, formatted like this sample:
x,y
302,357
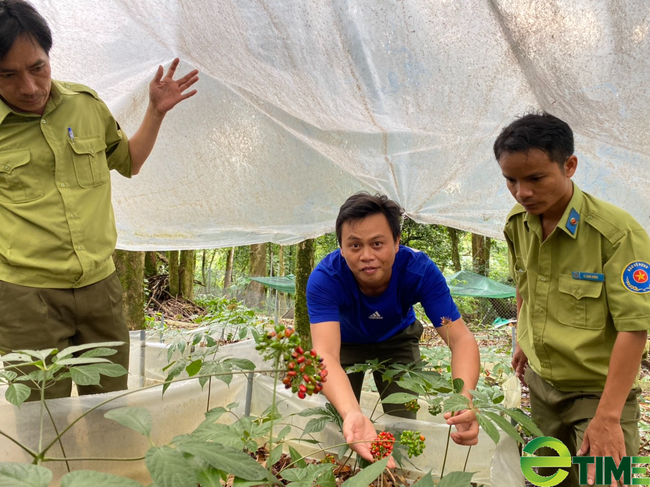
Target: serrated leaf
x,y
313,412
285,431
85,376
78,348
315,425
425,481
275,455
307,475
505,425
227,459
136,418
457,479
82,361
24,475
489,428
84,478
526,423
17,394
169,468
194,367
456,402
343,450
40,355
297,458
99,352
368,475
399,398
16,357
215,413
8,375
240,363
458,385
173,372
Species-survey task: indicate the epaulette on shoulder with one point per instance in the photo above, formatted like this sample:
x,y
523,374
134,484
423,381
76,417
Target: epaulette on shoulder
x,y
79,88
516,210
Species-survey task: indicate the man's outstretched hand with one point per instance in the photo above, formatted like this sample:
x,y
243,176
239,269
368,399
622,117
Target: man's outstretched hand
x,y
359,433
165,92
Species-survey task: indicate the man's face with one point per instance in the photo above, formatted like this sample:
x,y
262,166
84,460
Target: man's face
x,y
25,76
540,185
368,247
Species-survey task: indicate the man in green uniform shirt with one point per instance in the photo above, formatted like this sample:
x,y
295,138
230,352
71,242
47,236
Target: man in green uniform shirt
x,y
58,143
581,266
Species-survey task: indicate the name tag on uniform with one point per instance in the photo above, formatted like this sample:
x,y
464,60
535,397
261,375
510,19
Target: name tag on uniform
x,y
588,276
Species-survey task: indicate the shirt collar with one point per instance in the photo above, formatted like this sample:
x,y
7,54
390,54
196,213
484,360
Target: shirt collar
x,y
570,221
57,89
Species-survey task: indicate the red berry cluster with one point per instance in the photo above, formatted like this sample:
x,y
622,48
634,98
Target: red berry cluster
x,y
383,445
306,371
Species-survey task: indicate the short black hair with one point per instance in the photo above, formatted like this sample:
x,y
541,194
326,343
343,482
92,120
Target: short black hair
x,y
363,204
539,130
20,18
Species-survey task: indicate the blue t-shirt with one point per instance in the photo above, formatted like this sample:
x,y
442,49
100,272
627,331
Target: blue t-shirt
x,y
333,295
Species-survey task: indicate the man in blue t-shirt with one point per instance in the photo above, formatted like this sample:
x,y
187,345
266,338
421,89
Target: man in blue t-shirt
x,y
360,301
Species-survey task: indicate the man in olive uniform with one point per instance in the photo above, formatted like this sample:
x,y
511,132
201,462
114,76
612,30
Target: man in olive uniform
x,y
581,266
58,143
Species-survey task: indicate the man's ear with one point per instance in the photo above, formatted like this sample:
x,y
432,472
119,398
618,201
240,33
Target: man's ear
x,y
570,166
397,243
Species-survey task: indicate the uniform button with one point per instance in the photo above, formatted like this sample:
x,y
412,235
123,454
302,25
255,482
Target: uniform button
x,y
43,121
80,247
63,185
544,279
71,215
7,167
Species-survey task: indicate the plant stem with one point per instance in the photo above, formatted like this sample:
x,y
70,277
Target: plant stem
x,y
28,450
56,430
40,435
469,450
442,470
91,459
273,399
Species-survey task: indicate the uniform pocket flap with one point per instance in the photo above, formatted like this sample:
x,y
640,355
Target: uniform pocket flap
x,y
579,288
11,159
87,146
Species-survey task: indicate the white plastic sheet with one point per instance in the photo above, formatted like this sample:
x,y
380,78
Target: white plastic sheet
x,y
302,103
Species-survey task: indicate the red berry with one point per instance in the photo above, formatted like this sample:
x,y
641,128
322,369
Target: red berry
x,y
300,359
300,350
313,353
292,373
301,394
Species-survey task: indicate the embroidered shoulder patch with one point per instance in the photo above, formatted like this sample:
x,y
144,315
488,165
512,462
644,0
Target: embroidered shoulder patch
x,y
635,277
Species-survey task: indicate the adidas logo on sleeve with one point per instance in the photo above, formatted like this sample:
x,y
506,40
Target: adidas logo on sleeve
x,y
376,316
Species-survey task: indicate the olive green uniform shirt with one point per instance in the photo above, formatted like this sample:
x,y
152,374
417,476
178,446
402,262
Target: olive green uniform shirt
x,y
56,216
581,286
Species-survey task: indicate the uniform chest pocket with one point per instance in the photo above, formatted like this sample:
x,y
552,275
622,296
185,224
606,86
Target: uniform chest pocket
x,y
89,158
19,182
580,303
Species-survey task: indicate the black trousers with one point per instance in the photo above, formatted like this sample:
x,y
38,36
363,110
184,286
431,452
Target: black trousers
x,y
403,348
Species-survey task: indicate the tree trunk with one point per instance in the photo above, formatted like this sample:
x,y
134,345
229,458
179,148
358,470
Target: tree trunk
x,y
479,254
150,264
455,248
204,269
130,270
186,268
174,283
255,291
304,266
282,298
227,279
